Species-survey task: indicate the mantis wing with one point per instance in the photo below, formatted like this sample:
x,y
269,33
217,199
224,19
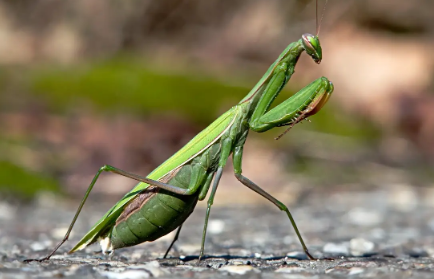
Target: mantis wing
x,y
193,148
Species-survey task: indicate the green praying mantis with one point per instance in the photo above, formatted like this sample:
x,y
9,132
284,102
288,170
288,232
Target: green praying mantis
x,y
164,199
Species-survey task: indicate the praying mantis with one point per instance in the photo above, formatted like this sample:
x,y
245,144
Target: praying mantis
x,y
164,199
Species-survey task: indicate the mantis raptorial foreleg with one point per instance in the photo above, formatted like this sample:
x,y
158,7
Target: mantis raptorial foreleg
x,y
315,95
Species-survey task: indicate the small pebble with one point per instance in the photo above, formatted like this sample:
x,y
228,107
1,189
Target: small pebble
x,y
360,246
129,274
403,198
59,233
334,248
39,246
240,262
7,212
238,269
356,270
216,226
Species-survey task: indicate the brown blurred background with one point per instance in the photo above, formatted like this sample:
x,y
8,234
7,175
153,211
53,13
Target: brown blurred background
x,y
127,83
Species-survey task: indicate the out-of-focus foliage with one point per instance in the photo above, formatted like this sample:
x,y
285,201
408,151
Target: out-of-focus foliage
x,y
127,86
16,180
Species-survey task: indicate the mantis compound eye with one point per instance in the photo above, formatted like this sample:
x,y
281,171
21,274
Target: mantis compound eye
x,y
312,46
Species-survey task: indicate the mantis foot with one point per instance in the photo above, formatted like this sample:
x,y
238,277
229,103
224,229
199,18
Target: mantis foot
x,y
37,260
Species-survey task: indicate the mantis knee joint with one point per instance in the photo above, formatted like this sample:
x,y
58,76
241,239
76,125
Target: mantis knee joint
x,y
189,192
104,168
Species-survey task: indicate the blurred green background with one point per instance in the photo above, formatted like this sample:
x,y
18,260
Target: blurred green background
x,y
127,83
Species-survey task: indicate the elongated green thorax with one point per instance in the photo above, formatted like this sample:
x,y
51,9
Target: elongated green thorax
x,y
289,57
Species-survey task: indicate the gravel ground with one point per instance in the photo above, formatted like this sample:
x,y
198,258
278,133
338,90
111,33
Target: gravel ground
x,y
383,232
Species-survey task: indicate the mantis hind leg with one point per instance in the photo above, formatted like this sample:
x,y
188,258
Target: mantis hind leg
x,y
173,241
68,232
238,152
106,168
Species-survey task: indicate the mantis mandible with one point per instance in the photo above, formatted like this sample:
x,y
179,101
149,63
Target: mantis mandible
x,y
164,199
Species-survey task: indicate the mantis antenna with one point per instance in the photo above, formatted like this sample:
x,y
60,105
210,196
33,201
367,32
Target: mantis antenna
x,y
302,116
318,23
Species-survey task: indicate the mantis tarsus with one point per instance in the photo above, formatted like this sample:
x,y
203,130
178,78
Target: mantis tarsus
x,y
164,199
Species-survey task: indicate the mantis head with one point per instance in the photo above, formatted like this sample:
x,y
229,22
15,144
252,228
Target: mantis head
x,y
312,47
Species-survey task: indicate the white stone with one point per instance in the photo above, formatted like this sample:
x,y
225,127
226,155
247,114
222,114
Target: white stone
x,y
334,248
403,198
238,269
216,226
356,270
37,246
129,274
360,246
59,233
7,212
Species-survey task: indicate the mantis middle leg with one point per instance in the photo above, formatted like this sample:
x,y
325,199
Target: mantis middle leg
x,y
237,161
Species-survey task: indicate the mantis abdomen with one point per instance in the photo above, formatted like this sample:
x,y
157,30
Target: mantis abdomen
x,y
156,212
